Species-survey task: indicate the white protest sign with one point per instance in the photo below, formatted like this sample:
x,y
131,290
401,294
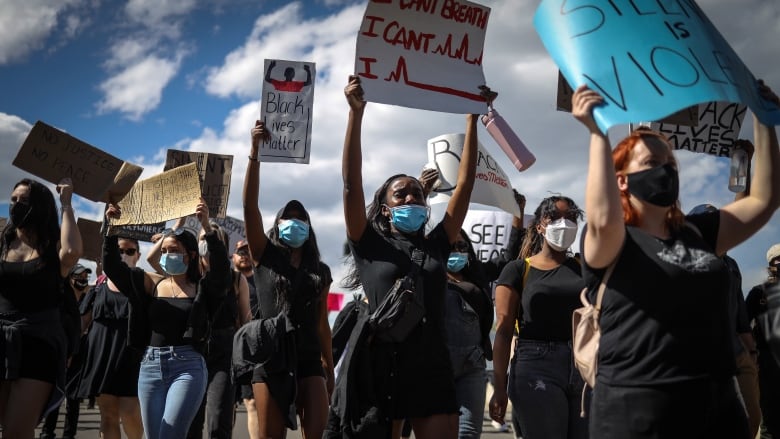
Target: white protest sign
x,y
286,110
488,231
423,54
718,127
491,187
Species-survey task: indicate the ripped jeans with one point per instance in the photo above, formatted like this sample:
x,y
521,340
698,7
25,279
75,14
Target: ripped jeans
x,y
546,391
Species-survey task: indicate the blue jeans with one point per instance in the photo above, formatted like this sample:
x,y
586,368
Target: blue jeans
x,y
546,389
171,385
470,388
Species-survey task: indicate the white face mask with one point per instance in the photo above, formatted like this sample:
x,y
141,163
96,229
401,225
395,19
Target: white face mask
x,y
560,234
129,260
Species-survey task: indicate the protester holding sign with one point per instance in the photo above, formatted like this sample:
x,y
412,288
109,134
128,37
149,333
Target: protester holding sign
x,y
539,292
292,285
111,367
665,336
411,379
36,255
168,318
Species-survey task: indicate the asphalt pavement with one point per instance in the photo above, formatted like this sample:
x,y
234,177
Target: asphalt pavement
x,y
89,425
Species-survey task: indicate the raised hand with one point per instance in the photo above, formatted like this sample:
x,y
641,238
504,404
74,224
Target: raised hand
x,y
354,93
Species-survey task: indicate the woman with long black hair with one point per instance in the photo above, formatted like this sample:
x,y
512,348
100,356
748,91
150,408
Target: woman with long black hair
x,y
291,281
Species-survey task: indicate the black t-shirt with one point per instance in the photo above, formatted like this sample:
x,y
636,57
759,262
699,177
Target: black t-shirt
x,y
381,260
30,286
548,300
300,300
664,316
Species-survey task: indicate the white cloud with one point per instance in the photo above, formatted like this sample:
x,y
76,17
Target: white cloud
x,y
138,87
161,15
26,24
13,131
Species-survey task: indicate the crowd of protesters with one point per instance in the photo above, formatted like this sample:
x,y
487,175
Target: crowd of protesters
x,y
168,352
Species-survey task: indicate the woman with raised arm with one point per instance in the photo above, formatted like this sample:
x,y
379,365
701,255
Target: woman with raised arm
x,y
36,254
411,379
665,364
169,321
111,367
292,285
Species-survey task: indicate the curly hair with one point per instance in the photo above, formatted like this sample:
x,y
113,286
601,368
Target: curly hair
x,y
533,240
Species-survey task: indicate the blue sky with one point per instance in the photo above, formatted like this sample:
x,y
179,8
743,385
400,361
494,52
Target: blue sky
x,y
138,77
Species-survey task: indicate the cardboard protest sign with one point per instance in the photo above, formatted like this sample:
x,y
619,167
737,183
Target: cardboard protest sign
x,y
286,110
687,116
648,59
171,194
52,155
425,55
234,228
492,186
214,171
141,232
91,239
718,127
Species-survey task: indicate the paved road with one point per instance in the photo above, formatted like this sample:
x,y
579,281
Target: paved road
x,y
89,424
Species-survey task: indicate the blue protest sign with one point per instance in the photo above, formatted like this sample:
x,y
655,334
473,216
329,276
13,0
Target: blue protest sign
x,y
646,58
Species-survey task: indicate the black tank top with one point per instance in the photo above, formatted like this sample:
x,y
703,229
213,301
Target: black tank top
x,y
29,286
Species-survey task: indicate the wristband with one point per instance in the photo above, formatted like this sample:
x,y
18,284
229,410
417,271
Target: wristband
x,y
252,159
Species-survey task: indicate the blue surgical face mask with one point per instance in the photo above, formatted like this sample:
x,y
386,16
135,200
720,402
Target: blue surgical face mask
x,y
409,218
173,263
457,261
293,232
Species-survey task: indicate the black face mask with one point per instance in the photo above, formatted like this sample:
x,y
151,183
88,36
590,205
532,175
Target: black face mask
x,y
659,186
80,283
19,212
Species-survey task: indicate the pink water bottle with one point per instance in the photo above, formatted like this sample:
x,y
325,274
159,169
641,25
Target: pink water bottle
x,y
513,147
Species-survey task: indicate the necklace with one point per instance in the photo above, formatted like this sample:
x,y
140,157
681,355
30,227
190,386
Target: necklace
x,y
178,293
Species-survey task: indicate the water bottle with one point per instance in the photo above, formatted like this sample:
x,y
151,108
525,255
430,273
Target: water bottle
x,y
738,170
512,146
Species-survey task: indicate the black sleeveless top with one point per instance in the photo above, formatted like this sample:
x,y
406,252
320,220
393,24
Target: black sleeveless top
x,y
29,286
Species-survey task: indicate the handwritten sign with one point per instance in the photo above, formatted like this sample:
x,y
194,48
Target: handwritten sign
x,y
234,228
687,116
647,59
286,110
171,194
214,171
718,127
91,239
423,54
488,231
52,155
141,232
492,186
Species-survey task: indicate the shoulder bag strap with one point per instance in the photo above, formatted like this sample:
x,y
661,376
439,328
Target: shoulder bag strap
x,y
603,285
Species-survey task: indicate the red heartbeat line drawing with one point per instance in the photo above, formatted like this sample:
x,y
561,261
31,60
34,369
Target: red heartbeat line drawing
x,y
402,74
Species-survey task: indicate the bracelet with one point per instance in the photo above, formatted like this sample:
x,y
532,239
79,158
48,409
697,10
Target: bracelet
x,y
65,207
252,159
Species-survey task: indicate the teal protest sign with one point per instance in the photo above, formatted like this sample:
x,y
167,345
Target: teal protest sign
x,y
647,59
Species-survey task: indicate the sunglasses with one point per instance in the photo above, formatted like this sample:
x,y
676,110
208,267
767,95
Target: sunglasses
x,y
242,252
128,251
